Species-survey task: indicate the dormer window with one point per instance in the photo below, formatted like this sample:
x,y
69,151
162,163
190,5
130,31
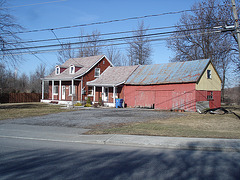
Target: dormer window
x,y
57,70
72,69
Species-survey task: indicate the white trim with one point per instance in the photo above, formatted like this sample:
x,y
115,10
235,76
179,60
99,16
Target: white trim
x,y
42,89
70,68
52,89
94,65
98,72
60,89
57,67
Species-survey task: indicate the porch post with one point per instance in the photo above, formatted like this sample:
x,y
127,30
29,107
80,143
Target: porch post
x,y
52,89
60,89
94,93
72,90
42,89
102,93
114,97
81,89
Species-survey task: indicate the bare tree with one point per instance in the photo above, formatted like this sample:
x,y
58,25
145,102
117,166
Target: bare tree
x,y
8,38
195,38
139,50
116,57
65,53
90,45
35,78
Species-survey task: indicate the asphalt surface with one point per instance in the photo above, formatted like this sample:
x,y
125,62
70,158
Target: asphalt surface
x,y
87,118
31,159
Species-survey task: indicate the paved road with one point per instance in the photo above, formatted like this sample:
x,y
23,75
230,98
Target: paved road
x,y
32,159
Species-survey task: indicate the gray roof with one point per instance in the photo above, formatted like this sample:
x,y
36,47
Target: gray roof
x,y
86,63
113,76
178,72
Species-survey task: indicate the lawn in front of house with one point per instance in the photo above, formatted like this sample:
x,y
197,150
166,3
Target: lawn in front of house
x,y
191,125
21,110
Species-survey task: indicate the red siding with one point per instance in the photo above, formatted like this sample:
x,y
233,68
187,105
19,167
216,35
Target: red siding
x,y
214,103
170,96
90,75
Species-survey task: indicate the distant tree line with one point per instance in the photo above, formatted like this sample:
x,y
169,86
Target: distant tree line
x,y
10,81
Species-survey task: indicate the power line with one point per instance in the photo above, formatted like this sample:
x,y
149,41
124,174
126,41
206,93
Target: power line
x,y
112,21
101,34
113,44
33,4
102,40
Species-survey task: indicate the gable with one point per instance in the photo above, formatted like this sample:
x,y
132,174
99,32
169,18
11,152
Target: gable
x,y
213,83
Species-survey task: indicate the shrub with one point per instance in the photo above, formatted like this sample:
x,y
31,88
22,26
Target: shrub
x,y
87,105
78,104
88,101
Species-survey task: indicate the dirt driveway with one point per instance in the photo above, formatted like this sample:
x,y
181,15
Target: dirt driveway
x,y
92,118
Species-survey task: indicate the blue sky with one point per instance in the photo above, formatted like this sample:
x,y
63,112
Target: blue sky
x,y
73,12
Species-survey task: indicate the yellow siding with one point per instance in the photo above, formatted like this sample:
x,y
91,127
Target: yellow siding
x,y
213,84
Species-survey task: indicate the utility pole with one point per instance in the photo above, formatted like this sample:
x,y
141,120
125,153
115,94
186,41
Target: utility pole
x,y
236,23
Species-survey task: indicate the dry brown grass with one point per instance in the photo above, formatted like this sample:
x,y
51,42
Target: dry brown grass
x,y
191,125
20,110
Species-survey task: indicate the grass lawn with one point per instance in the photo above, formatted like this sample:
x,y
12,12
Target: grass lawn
x,y
191,125
20,110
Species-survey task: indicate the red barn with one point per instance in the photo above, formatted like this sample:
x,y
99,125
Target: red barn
x,y
179,85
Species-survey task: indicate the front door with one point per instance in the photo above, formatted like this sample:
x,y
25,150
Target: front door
x,y
105,94
63,92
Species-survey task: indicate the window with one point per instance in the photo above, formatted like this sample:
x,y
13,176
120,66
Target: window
x,y
209,95
97,72
90,91
57,70
70,90
209,74
55,90
72,69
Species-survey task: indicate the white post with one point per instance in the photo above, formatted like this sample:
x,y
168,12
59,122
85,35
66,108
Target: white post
x,y
60,89
102,93
72,90
94,92
42,89
81,90
52,89
114,96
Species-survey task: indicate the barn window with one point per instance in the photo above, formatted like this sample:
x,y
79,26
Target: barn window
x,y
209,95
97,72
209,74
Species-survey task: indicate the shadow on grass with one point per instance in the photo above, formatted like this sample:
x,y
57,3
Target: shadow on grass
x,y
131,164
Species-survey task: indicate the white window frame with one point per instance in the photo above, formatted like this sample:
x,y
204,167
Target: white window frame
x,y
70,90
209,74
90,89
57,70
72,69
95,73
55,90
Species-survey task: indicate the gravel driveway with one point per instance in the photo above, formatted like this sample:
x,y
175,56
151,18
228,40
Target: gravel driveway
x,y
89,118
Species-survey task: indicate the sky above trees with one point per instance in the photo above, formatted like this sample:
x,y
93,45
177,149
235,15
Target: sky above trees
x,y
53,14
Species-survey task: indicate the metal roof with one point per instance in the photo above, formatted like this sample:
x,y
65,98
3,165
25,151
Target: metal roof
x,y
177,72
